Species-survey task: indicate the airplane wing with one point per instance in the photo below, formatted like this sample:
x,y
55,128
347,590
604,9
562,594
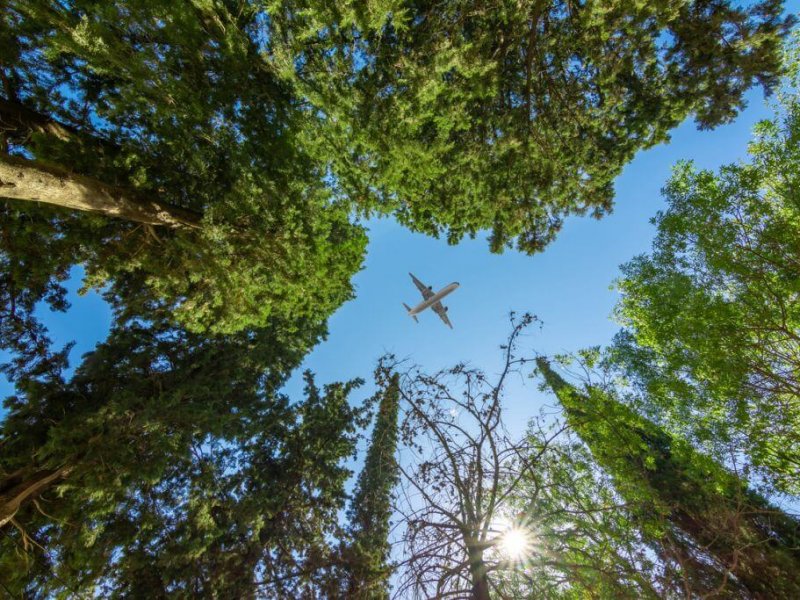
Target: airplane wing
x,y
426,291
442,312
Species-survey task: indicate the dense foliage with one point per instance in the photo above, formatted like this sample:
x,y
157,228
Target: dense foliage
x,y
470,115
179,467
251,135
585,542
712,315
177,105
367,567
718,536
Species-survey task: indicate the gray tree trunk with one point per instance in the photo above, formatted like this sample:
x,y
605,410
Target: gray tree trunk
x,y
22,179
477,571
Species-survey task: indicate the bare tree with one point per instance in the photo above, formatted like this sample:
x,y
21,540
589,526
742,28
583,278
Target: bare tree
x,y
461,467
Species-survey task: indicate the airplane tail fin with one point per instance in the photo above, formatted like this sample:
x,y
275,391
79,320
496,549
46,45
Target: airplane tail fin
x,y
408,308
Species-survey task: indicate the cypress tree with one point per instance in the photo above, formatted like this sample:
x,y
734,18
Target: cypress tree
x,y
724,536
370,509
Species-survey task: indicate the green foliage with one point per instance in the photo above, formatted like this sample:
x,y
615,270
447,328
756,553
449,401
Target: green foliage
x,y
185,472
463,116
711,315
35,258
695,513
276,120
367,554
178,104
189,474
586,543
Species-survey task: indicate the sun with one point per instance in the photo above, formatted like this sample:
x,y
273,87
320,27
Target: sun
x,y
515,544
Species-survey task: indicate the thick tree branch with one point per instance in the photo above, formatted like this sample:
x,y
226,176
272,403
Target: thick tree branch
x,y
25,491
22,179
17,121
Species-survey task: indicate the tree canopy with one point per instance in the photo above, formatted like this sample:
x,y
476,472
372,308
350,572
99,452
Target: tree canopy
x,y
175,468
468,115
711,314
207,163
715,534
173,106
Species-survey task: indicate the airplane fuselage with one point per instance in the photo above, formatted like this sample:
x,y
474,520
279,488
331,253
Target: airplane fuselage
x,y
433,299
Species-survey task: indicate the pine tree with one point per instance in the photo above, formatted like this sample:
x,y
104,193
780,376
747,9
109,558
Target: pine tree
x,y
720,533
367,553
168,461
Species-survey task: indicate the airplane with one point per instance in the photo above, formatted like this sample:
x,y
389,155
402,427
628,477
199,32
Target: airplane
x,y
431,299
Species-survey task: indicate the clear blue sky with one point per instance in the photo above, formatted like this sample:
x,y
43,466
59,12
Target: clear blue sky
x,y
567,286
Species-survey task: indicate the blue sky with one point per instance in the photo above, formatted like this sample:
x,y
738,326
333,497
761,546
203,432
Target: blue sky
x,y
568,285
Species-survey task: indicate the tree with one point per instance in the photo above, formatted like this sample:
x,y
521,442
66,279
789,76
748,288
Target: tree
x,y
485,515
470,115
460,470
167,115
710,317
166,104
585,542
367,553
183,471
259,519
724,538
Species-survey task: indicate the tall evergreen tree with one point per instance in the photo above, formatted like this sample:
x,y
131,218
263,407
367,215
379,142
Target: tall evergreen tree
x,y
367,558
169,462
724,537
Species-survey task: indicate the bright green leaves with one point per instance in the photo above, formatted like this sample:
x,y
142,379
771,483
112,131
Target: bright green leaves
x,y
181,105
701,520
460,117
275,121
711,314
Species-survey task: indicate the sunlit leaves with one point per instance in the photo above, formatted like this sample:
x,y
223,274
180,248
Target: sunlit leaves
x,y
712,314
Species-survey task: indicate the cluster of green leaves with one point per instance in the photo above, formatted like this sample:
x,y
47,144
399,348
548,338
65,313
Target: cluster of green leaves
x,y
711,315
701,519
585,542
275,121
188,473
179,104
463,116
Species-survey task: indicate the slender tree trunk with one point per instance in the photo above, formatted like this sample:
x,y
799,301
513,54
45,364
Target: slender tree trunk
x,y
477,571
22,179
15,491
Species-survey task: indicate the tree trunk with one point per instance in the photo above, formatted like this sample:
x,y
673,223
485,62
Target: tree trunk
x,y
15,492
477,571
22,179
